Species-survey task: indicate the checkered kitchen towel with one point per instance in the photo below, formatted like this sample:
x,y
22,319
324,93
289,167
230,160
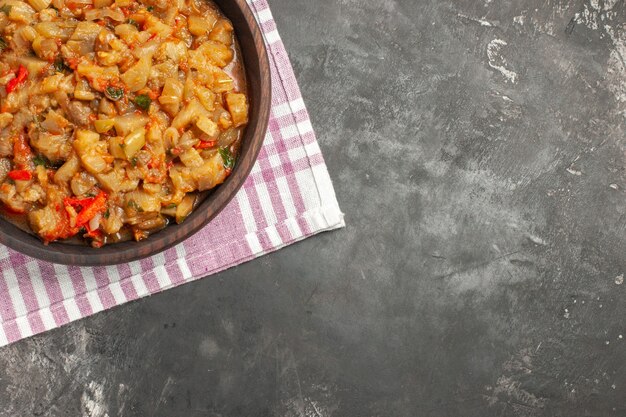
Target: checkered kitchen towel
x,y
288,197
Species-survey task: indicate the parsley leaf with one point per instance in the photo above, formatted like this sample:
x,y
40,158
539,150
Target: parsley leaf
x,y
134,23
227,157
114,93
41,160
133,161
150,9
61,66
107,214
143,101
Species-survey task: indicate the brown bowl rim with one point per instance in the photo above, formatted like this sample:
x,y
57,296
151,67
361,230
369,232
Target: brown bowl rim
x,y
259,89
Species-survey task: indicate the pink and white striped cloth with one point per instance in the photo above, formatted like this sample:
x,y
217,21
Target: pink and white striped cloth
x,y
288,197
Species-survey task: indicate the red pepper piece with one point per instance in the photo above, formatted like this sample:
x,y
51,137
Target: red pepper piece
x,y
76,202
206,144
89,211
20,174
22,73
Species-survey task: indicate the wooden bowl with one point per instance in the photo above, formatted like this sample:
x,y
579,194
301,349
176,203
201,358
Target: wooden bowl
x,y
257,69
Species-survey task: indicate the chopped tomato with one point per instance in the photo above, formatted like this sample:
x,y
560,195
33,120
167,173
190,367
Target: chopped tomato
x,y
20,77
20,174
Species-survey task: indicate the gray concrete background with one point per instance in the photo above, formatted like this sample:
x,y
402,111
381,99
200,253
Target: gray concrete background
x,y
478,150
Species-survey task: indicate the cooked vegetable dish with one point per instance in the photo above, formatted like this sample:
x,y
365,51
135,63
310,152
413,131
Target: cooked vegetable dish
x,y
115,114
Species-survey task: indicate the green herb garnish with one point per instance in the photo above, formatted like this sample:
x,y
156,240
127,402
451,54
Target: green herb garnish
x,y
114,93
107,214
227,157
143,101
61,66
41,160
150,9
6,9
133,161
134,23
90,195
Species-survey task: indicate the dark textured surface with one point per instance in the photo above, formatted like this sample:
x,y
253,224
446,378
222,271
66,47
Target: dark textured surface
x,y
478,151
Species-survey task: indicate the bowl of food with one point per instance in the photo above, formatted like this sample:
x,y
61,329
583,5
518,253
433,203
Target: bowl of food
x,y
126,126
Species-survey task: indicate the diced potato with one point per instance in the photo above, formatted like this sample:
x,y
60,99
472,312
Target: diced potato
x,y
127,32
83,92
206,97
35,66
103,125
116,147
183,182
20,11
222,82
160,73
185,207
90,151
210,174
174,51
141,201
52,146
39,5
222,32
191,158
217,53
99,77
208,126
54,123
45,222
156,27
82,183
113,222
51,84
116,181
152,188
134,142
86,33
28,33
197,25
129,122
171,95
53,30
137,76
238,107
188,114
67,170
